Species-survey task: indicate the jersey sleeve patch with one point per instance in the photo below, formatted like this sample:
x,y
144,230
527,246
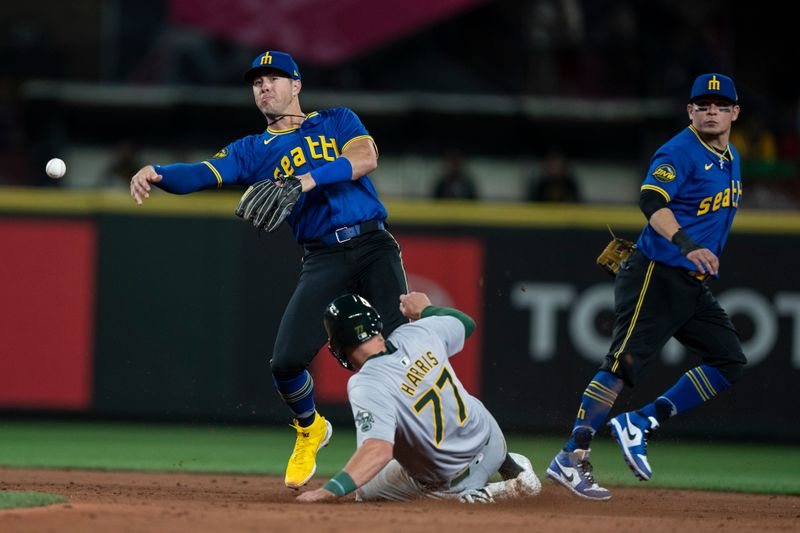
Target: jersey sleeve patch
x,y
364,420
219,155
665,173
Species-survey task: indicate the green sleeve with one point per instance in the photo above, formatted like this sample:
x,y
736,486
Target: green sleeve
x,y
469,324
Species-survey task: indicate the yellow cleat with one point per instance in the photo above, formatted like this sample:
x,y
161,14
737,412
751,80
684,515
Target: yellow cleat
x,y
302,463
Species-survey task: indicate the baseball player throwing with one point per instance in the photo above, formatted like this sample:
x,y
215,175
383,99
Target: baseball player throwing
x,y
419,432
690,196
311,168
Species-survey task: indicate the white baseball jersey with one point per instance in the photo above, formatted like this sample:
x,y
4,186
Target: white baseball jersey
x,y
412,398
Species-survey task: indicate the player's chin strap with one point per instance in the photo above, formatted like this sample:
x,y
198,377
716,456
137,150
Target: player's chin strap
x,y
281,117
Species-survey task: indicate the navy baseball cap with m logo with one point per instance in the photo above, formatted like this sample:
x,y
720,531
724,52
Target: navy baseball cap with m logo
x,y
272,60
713,85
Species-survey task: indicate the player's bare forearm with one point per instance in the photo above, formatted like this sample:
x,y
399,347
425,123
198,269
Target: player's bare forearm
x,y
368,460
665,224
364,465
140,183
362,157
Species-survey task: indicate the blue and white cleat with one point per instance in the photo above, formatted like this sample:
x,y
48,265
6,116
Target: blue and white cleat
x,y
631,430
574,471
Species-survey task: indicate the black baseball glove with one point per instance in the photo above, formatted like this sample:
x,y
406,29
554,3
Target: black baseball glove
x,y
267,203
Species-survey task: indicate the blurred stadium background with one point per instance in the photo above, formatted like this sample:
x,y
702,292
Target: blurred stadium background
x,y
499,83
164,313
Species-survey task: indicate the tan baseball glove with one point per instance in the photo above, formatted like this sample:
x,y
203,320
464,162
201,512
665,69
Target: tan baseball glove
x,y
617,251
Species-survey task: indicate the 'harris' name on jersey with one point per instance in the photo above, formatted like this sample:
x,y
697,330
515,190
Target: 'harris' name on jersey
x,y
417,371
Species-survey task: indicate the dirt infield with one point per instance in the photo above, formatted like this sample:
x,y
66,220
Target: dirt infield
x,y
123,501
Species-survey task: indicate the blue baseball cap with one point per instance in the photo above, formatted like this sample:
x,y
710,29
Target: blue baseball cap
x,y
713,85
272,60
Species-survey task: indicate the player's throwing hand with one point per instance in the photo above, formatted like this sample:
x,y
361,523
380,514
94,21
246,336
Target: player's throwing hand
x,y
140,183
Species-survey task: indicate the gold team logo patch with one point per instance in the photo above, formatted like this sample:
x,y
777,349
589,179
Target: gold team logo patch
x,y
219,155
664,173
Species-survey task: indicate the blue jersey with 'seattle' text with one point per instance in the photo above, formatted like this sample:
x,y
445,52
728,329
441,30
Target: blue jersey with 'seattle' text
x,y
703,189
321,138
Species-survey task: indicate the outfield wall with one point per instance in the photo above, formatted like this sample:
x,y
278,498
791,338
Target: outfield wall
x,y
169,310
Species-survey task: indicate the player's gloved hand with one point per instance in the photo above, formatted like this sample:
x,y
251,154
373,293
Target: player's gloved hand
x,y
266,204
475,496
614,254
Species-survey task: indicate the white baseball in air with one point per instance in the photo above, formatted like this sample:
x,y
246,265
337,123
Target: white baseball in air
x,y
56,168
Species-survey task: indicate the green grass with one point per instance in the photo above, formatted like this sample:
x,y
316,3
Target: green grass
x,y
718,465
9,500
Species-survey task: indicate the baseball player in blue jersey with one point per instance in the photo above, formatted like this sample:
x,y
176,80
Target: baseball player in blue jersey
x,y
338,219
689,197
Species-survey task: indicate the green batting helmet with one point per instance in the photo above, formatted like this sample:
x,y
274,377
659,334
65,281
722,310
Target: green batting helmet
x,y
350,320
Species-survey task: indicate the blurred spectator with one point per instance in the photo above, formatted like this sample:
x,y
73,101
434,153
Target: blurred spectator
x,y
455,181
556,183
123,165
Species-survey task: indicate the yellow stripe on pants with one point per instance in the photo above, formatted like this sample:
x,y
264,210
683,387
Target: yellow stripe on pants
x,y
635,315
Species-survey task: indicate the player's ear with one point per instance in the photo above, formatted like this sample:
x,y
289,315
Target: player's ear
x,y
689,110
296,86
735,113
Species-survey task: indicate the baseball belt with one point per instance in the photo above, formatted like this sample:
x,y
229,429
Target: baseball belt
x,y
344,234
